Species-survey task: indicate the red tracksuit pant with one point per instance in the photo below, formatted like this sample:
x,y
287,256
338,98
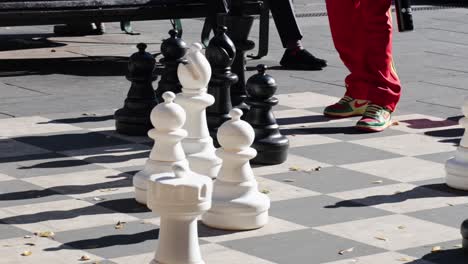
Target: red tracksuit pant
x,y
362,34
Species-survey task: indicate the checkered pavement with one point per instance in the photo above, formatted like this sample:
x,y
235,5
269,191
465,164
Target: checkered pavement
x,y
341,197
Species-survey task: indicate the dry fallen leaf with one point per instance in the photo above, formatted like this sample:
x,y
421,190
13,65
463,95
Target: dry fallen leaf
x,y
85,257
342,252
405,259
395,123
449,204
436,249
265,191
294,168
401,227
119,225
381,238
45,234
27,236
26,253
30,244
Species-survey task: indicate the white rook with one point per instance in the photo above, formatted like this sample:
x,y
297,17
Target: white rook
x,y
457,167
167,119
237,203
179,200
198,145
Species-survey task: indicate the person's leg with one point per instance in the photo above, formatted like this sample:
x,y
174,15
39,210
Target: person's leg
x,y
345,19
384,88
295,56
384,84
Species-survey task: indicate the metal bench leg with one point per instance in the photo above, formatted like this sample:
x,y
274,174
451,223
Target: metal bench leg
x,y
263,32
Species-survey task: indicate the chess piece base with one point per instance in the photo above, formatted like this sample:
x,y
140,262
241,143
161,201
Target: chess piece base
x,y
132,124
271,151
151,172
245,213
457,170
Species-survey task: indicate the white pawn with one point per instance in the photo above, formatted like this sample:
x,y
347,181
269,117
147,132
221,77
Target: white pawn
x,y
167,119
457,167
237,203
179,200
198,145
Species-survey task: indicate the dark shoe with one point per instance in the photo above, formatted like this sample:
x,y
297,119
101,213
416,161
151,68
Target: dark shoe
x,y
301,60
79,29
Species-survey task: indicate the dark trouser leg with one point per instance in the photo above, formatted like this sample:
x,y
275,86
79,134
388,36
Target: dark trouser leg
x,y
285,20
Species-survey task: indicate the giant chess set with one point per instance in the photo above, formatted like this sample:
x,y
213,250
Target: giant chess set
x,y
203,177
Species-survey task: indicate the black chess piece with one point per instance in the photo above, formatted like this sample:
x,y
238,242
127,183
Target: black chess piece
x,y
272,147
173,49
464,232
220,53
134,118
239,27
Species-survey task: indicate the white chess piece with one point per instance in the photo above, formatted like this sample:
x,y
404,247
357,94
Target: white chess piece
x,y
237,203
179,200
198,145
167,119
457,167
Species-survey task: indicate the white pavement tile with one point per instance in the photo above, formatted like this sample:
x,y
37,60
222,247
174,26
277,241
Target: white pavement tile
x,y
306,100
417,123
274,226
395,232
407,144
382,258
85,183
13,148
278,191
113,156
59,216
22,126
44,250
293,161
309,140
4,177
298,118
141,258
401,198
405,169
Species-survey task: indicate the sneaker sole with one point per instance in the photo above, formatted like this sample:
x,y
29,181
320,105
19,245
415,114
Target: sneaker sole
x,y
373,129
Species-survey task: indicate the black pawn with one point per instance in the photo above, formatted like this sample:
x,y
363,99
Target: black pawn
x,y
134,118
272,147
220,53
173,49
464,232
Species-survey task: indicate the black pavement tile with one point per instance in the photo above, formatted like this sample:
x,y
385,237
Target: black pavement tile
x,y
450,215
72,141
321,210
331,179
17,192
342,153
303,246
44,165
9,231
108,242
451,253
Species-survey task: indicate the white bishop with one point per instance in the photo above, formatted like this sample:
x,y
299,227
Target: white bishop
x,y
198,145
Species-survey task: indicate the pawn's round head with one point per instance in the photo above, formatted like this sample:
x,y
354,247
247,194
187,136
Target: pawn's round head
x,y
235,134
168,115
261,85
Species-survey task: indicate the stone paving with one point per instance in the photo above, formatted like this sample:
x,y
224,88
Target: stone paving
x,y
342,197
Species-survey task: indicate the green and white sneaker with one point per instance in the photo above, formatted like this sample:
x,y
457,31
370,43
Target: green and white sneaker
x,y
346,107
375,119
